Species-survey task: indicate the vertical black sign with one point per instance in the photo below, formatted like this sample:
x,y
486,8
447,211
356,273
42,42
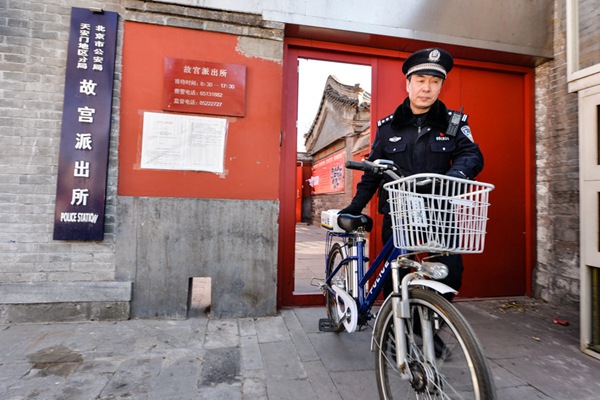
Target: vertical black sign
x,y
84,142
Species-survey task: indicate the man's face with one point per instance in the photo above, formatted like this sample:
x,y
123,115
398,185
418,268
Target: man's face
x,y
423,91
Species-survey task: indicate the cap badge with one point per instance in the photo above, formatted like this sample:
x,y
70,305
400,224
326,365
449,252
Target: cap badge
x,y
434,55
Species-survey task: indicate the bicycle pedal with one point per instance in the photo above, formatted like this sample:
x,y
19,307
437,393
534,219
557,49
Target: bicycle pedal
x,y
327,325
317,282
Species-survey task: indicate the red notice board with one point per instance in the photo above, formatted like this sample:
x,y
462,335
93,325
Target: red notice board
x,y
328,174
204,87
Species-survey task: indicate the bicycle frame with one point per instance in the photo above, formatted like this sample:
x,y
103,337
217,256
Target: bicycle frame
x,y
414,215
389,252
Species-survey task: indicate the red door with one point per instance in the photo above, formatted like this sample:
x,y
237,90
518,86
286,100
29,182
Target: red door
x,y
499,101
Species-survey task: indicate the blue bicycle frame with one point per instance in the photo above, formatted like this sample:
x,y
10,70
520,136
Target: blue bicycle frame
x,y
389,252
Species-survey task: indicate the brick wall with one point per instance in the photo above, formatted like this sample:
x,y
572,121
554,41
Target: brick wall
x,y
42,279
33,57
556,276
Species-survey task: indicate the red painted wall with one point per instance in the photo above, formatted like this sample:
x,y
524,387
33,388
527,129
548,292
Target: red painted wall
x,y
252,142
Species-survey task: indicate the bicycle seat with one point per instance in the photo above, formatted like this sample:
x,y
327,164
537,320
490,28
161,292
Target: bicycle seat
x,y
350,222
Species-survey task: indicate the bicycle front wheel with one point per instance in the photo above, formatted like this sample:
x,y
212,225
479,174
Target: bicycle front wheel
x,y
456,368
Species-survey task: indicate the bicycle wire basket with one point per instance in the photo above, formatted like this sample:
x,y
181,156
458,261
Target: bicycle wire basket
x,y
438,213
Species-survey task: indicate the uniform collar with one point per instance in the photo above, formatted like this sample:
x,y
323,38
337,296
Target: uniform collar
x,y
437,116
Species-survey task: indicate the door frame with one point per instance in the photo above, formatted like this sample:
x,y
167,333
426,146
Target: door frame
x,y
294,49
589,183
297,47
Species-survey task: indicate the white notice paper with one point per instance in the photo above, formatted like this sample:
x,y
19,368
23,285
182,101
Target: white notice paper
x,y
183,142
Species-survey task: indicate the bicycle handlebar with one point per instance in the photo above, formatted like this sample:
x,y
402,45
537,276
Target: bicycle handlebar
x,y
356,165
378,167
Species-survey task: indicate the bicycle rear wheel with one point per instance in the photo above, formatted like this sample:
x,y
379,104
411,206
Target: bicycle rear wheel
x,y
460,369
340,279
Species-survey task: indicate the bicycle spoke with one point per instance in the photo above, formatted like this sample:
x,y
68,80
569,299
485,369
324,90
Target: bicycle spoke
x,y
457,371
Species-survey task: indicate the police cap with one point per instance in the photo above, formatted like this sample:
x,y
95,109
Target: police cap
x,y
434,61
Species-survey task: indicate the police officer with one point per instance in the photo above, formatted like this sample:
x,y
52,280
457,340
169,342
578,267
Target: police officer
x,y
422,135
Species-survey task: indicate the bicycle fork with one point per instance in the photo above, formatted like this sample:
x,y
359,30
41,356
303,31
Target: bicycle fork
x,y
402,313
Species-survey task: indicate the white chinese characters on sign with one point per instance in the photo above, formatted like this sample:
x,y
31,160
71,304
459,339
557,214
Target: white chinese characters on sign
x,y
99,38
87,87
87,44
183,91
204,87
86,114
83,142
80,197
82,169
83,46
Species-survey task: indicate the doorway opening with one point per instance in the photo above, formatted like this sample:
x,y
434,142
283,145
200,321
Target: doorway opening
x,y
514,194
199,295
324,121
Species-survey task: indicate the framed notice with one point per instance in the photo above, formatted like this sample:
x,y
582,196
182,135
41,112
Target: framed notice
x,y
183,142
203,87
328,174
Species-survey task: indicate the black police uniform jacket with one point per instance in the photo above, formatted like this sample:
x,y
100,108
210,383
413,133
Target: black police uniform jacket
x,y
418,144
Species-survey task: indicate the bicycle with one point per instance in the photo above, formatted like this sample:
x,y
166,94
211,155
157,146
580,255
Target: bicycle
x,y
424,348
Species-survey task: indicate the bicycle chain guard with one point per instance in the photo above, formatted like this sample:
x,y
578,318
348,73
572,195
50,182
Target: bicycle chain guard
x,y
346,309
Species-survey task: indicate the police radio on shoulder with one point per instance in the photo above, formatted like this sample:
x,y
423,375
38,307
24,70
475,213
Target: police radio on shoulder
x,y
454,122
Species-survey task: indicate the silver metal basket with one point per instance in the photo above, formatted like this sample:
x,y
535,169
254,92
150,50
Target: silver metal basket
x,y
437,213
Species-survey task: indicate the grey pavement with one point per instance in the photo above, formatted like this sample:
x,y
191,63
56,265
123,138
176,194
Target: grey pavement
x,y
309,258
278,357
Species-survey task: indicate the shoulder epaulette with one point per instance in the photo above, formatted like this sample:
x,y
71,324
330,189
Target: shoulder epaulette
x,y
385,120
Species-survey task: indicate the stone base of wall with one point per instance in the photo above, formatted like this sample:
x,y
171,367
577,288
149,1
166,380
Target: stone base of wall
x,y
64,312
163,242
65,302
